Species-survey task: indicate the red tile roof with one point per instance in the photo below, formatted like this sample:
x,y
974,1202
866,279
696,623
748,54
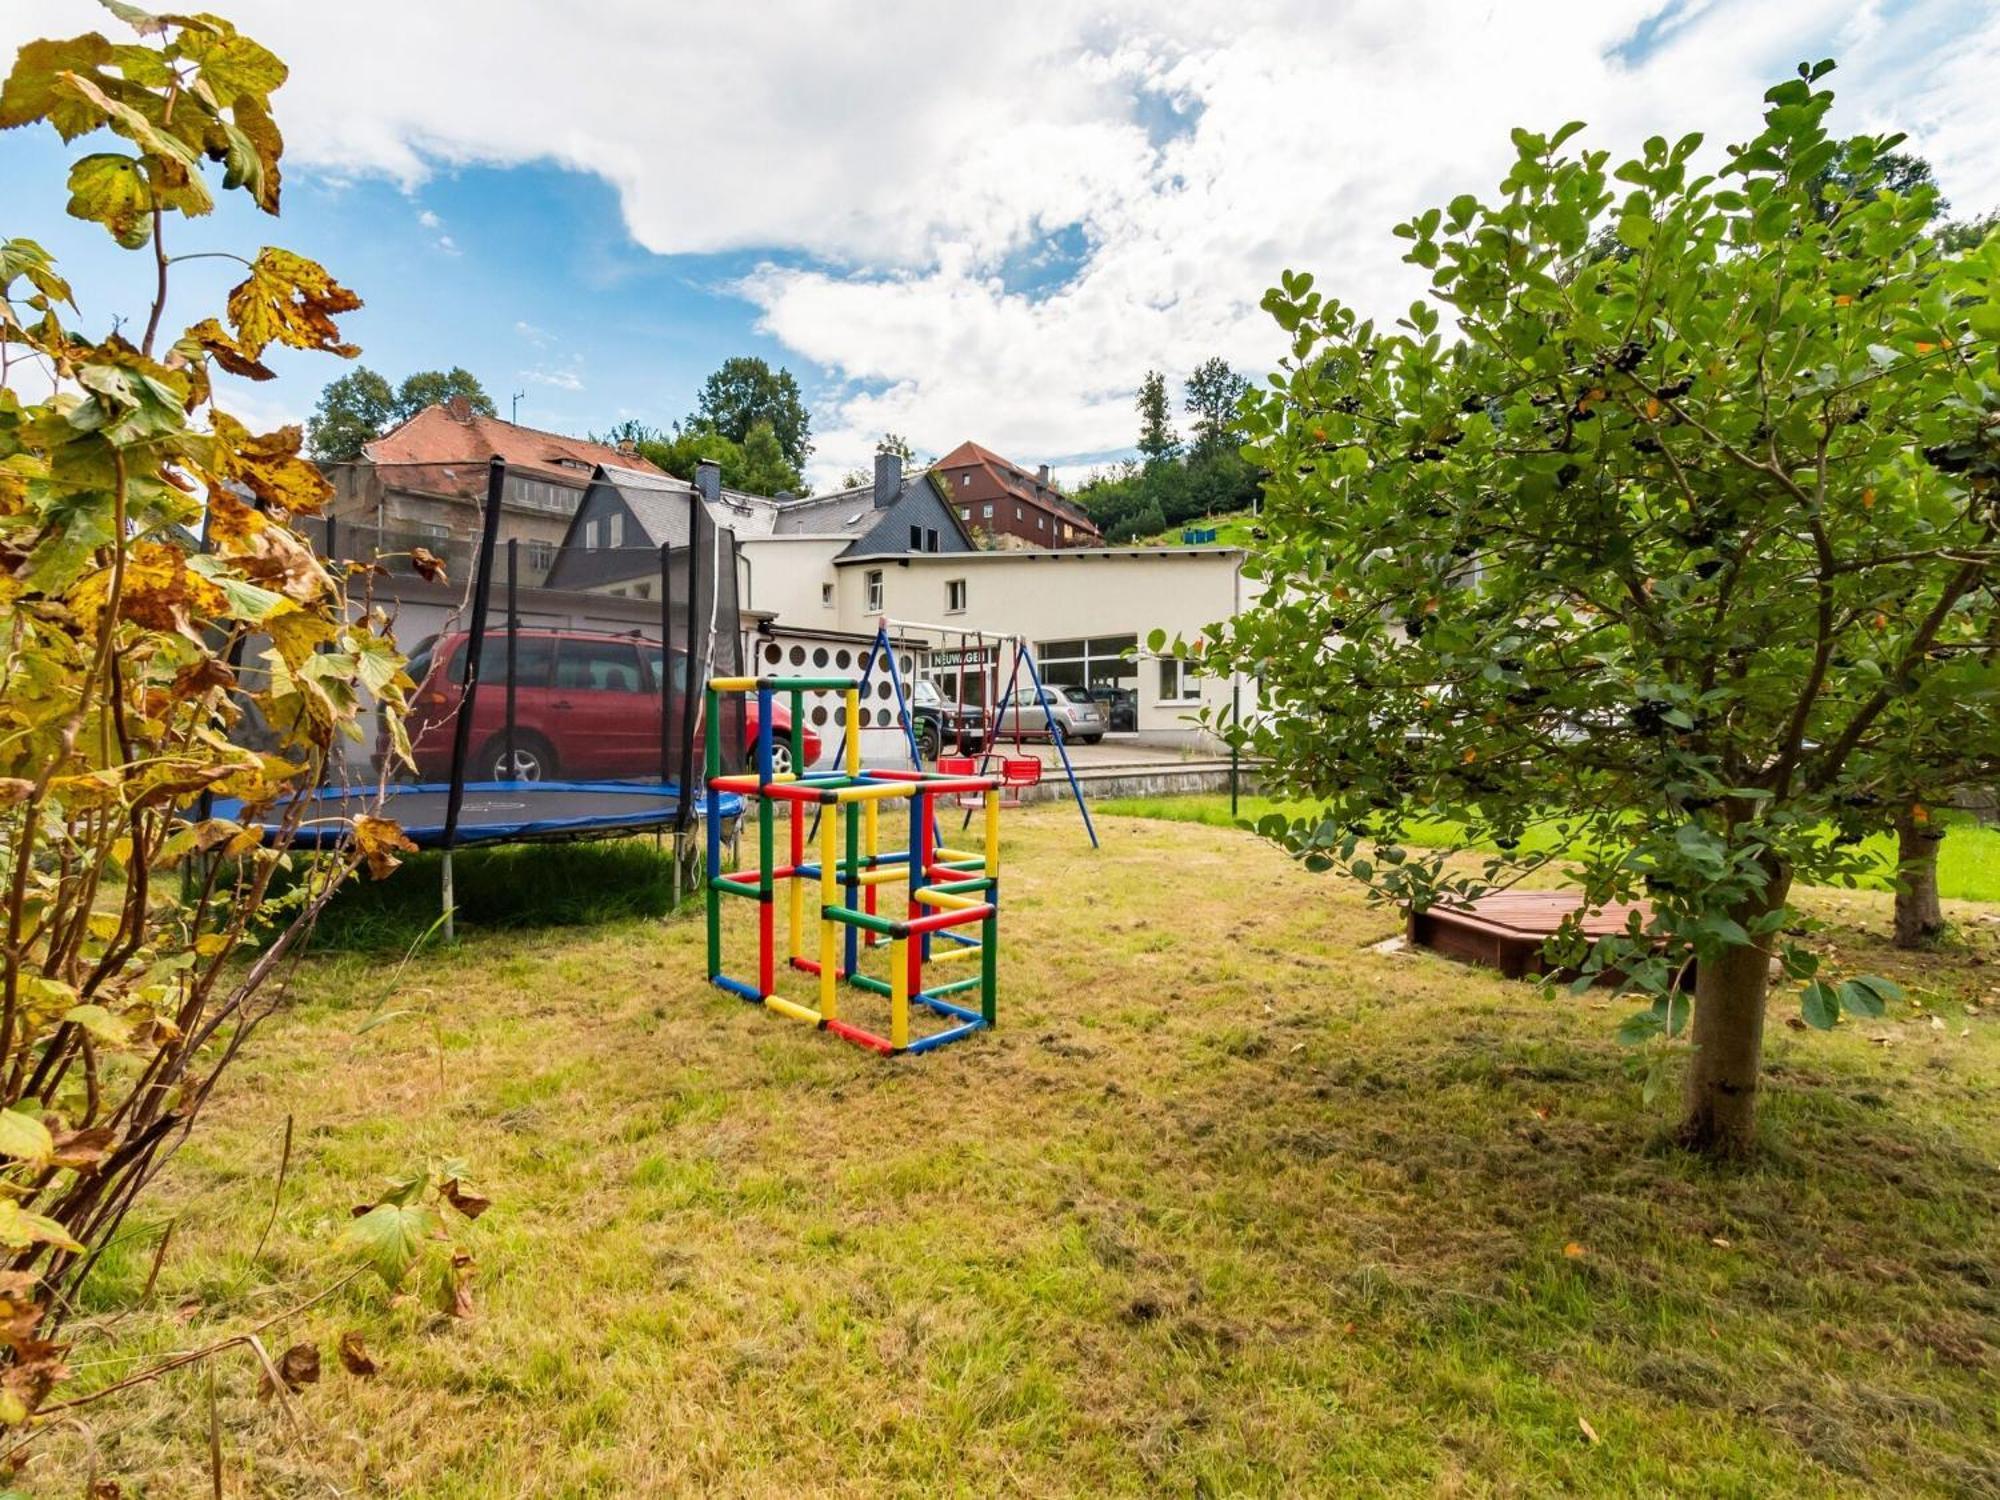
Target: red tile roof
x,y
439,436
1018,482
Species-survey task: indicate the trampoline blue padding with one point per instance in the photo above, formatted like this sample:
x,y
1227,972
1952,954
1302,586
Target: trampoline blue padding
x,y
500,812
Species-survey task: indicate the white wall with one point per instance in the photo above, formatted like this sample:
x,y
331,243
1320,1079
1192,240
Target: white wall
x,y
1065,595
783,576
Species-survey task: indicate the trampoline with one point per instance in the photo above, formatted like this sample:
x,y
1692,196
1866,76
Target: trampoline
x,y
497,812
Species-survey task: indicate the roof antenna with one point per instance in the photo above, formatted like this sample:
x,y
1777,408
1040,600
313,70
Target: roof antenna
x,y
514,407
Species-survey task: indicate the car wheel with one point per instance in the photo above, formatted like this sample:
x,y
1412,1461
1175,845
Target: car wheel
x,y
1090,739
930,741
534,758
781,758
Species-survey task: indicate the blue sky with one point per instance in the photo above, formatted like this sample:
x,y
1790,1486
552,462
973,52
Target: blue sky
x,y
948,222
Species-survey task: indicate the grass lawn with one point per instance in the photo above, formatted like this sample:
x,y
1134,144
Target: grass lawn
x,y
1968,859
1231,1204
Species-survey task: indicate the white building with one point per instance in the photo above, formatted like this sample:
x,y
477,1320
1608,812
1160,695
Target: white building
x,y
1087,612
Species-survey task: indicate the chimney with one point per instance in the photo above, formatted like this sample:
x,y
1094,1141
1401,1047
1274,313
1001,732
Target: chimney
x,y
459,409
888,479
1042,476
708,481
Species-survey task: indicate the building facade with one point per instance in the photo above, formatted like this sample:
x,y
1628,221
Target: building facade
x,y
1006,506
424,484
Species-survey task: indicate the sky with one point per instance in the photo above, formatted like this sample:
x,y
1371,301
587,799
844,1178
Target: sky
x,y
949,221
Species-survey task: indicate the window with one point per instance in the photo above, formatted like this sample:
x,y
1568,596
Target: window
x,y
642,591
874,591
1099,662
916,538
617,525
1017,512
965,513
541,556
652,654
1177,681
930,539
1039,518
964,480
986,512
532,655
826,595
954,596
598,666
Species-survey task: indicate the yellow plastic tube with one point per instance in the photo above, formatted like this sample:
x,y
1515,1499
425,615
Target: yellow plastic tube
x,y
899,993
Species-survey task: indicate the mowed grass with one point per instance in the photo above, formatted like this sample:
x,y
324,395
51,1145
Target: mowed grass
x,y
1231,1204
1968,858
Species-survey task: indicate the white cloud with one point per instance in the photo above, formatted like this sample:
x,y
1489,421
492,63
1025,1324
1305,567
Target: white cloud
x,y
429,220
915,152
569,378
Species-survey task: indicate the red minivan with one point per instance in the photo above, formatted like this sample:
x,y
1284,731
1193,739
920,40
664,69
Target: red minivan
x,y
586,707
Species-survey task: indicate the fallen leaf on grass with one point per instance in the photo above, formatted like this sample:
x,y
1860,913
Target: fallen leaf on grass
x,y
1719,1242
1573,1250
1937,1023
1589,1432
354,1354
298,1366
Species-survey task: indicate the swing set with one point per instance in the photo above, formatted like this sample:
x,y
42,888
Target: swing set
x,y
1016,771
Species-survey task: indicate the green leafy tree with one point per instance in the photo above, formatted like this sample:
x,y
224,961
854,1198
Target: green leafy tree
x,y
1158,442
360,406
429,388
1213,394
756,466
1683,556
352,412
746,391
142,934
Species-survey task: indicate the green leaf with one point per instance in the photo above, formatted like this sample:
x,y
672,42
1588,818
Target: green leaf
x,y
24,1136
389,1237
1859,1000
109,188
20,1229
1820,1005
1882,989
100,1023
1639,1027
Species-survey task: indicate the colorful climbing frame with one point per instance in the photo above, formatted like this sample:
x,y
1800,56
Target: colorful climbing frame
x,y
950,897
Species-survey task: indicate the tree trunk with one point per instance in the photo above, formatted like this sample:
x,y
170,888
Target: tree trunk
x,y
1919,917
1728,1034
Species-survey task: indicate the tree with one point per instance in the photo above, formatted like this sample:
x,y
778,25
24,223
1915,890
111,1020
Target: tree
x,y
757,466
359,407
144,934
436,387
1681,557
898,445
352,412
745,391
1213,392
1158,442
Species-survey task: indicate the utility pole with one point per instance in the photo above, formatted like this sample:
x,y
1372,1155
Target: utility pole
x,y
514,407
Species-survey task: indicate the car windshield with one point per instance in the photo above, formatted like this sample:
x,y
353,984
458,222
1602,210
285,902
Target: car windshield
x,y
924,694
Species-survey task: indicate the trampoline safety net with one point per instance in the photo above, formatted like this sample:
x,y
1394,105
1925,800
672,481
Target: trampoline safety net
x,y
560,688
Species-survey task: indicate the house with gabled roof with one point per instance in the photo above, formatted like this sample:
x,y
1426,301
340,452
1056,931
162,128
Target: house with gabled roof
x,y
423,483
785,546
1006,506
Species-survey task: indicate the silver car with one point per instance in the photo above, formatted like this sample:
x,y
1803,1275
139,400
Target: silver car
x,y
1075,713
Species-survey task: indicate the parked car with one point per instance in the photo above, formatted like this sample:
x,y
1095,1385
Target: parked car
x,y
586,706
1075,714
942,725
1120,705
